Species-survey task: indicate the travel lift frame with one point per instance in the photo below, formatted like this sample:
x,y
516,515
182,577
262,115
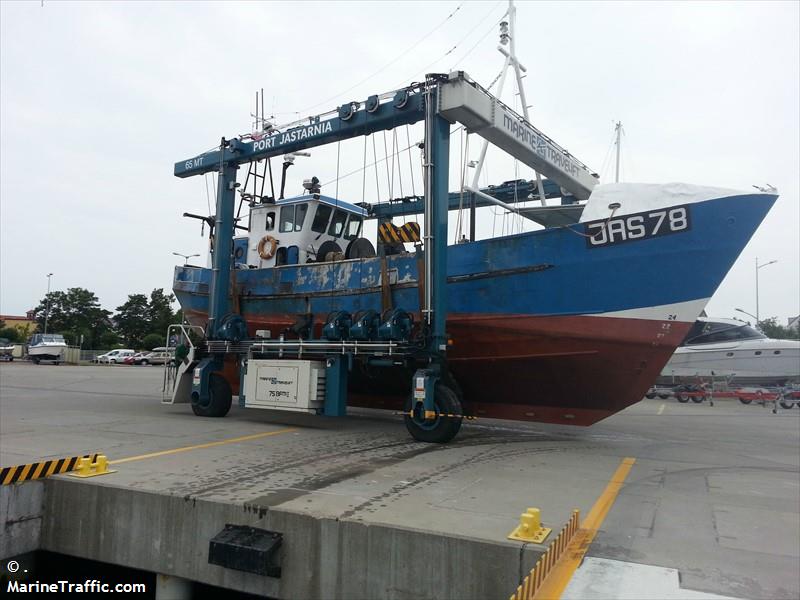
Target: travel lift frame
x,y
440,101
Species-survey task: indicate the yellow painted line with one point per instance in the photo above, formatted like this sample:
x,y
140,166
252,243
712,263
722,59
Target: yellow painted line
x,y
243,438
559,577
661,408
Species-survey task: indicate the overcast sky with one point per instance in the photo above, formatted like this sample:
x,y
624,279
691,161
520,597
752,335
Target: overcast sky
x,y
99,100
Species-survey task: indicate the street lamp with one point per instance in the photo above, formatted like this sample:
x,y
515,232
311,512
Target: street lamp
x,y
758,266
186,257
47,310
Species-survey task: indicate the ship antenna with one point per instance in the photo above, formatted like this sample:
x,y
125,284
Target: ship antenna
x,y
618,131
507,38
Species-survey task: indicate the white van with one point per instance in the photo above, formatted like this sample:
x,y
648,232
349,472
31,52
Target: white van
x,y
115,356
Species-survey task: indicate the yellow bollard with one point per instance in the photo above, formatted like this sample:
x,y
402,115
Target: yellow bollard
x,y
87,468
530,528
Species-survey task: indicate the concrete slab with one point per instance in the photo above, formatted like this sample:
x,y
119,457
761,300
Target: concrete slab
x,y
600,579
343,481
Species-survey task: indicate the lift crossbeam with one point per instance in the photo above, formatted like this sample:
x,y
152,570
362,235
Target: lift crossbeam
x,y
400,110
465,101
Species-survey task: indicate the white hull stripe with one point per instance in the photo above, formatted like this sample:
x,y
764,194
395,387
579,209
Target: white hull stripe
x,y
686,312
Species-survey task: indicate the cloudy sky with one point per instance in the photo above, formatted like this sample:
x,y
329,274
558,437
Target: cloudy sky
x,y
99,100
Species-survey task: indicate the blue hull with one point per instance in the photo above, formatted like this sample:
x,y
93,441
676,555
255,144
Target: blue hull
x,y
517,303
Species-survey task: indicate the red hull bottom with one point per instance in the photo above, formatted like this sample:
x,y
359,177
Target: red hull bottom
x,y
573,370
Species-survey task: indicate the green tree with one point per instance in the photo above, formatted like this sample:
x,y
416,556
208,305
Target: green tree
x,y
772,329
153,340
133,320
9,333
160,312
108,341
74,313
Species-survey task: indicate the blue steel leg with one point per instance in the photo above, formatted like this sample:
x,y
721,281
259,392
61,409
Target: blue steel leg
x,y
439,153
336,371
221,259
220,276
201,376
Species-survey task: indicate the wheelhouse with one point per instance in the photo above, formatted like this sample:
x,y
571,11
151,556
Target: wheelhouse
x,y
298,230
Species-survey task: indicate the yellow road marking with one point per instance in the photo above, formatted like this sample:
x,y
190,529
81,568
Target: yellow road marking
x,y
243,438
559,577
661,408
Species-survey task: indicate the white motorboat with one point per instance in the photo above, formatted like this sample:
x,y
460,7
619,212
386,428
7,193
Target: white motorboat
x,y
731,349
50,346
6,350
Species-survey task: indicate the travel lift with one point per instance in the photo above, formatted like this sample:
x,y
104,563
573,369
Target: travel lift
x,y
434,413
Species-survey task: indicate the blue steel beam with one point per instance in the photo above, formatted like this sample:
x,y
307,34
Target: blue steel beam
x,y
438,157
401,110
413,205
219,303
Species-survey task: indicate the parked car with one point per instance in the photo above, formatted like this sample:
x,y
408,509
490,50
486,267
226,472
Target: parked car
x,y
115,356
136,359
158,356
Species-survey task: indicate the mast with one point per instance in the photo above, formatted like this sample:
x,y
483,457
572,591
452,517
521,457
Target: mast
x,y
507,35
618,131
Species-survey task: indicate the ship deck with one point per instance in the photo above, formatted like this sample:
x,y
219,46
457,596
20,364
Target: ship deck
x,y
708,509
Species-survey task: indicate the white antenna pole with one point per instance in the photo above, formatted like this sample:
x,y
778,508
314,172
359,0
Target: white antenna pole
x,y
511,60
618,130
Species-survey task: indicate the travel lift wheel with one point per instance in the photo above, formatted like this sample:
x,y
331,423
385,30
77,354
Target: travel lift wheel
x,y
444,426
219,398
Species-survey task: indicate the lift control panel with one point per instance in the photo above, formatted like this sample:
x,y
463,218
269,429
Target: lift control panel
x,y
294,385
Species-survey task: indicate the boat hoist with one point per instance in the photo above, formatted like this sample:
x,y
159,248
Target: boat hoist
x,y
274,373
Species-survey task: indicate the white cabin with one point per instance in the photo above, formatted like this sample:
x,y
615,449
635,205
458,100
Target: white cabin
x,y
292,231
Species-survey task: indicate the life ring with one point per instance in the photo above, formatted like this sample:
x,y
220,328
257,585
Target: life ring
x,y
262,250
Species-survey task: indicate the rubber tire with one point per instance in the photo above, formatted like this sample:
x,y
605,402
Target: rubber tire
x,y
649,396
786,405
36,361
697,399
443,429
219,398
681,397
145,362
745,400
663,396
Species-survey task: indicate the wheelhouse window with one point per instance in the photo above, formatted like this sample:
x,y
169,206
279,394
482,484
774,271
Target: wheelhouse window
x,y
353,227
321,217
287,219
300,216
337,223
269,224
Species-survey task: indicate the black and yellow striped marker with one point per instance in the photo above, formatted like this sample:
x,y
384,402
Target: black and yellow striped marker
x,y
392,234
40,470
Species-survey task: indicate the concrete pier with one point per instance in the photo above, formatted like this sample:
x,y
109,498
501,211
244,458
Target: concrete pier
x,y
366,512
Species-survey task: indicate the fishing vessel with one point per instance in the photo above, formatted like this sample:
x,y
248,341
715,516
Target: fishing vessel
x,y
47,346
731,349
567,324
